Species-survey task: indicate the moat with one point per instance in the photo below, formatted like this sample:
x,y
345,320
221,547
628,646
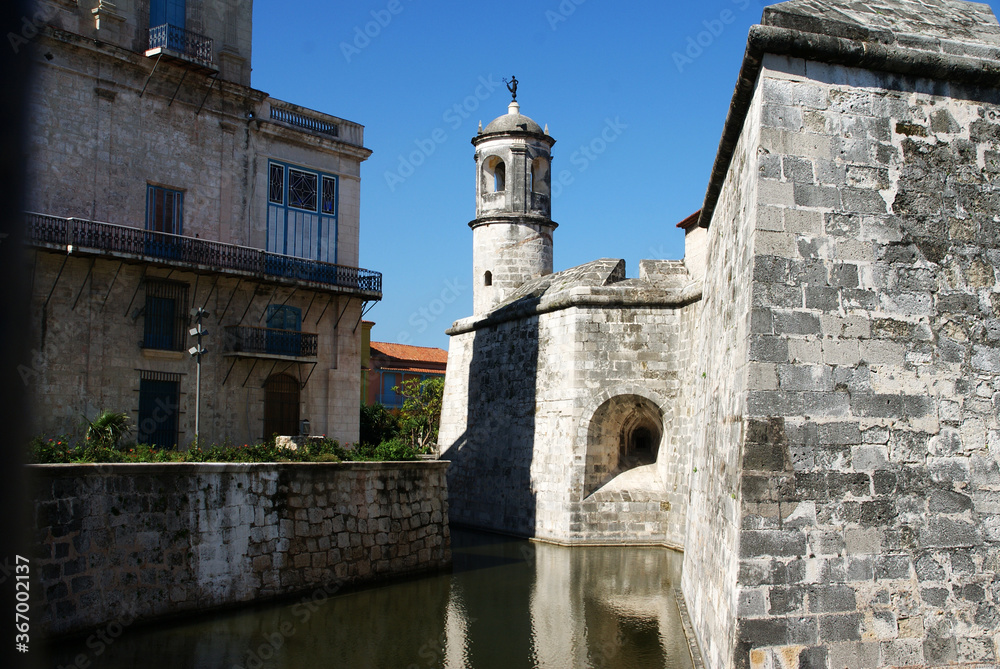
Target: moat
x,y
507,603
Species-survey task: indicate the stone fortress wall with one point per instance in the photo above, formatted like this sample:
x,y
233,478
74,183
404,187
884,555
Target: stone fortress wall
x,y
864,204
143,541
827,379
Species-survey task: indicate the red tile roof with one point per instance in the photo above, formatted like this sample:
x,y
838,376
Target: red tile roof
x,y
410,353
412,370
690,221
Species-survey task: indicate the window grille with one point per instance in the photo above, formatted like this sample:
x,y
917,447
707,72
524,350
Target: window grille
x,y
329,195
165,315
302,190
276,184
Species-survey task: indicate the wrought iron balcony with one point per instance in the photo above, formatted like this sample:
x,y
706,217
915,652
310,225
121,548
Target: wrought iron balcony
x,y
191,46
80,235
267,342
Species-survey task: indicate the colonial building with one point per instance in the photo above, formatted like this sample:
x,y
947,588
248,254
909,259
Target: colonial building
x,y
807,403
161,183
392,364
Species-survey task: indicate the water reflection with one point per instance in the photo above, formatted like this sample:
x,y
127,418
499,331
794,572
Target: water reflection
x,y
507,604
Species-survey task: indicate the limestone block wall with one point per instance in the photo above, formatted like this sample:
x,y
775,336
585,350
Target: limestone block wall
x,y
159,540
629,355
869,507
512,254
523,399
722,345
488,425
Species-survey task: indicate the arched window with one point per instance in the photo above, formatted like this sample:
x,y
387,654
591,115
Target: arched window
x,y
540,176
496,175
500,178
281,406
488,279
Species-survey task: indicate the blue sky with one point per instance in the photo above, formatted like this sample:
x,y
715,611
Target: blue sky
x,y
420,75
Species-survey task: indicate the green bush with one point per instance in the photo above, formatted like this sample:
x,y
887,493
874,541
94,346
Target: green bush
x,y
108,429
61,450
395,449
50,451
378,424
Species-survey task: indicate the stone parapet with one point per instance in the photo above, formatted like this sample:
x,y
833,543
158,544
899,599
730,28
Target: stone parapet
x,y
144,541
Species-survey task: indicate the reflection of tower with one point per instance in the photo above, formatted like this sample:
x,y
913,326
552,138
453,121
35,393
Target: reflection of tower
x,y
512,233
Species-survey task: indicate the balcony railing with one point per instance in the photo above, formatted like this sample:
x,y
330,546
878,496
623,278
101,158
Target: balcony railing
x,y
196,47
305,122
270,341
178,250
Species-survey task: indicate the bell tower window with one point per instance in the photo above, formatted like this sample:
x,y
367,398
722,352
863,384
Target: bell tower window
x,y
488,279
496,174
540,176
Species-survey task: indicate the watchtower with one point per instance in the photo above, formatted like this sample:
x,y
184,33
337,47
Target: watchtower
x,y
512,231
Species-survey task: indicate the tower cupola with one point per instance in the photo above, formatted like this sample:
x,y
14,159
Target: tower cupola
x,y
512,231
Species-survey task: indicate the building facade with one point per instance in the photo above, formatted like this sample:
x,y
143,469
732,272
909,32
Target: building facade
x,y
813,390
392,364
161,182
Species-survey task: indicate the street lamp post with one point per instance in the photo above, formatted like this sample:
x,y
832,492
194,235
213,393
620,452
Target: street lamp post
x,y
197,351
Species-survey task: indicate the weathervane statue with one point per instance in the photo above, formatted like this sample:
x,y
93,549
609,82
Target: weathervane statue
x,y
512,87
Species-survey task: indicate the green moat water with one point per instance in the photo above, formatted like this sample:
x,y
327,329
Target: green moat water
x,y
507,604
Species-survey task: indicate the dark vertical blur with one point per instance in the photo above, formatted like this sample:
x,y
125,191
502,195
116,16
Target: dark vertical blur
x,y
15,521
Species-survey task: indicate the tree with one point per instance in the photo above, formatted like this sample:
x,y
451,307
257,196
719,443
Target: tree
x,y
377,425
421,413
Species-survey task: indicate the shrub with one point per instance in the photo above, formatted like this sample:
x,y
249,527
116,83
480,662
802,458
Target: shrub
x,y
108,429
60,450
378,424
56,450
395,449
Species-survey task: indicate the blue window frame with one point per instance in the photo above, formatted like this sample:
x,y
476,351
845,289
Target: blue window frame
x,y
390,398
301,212
284,317
285,324
164,209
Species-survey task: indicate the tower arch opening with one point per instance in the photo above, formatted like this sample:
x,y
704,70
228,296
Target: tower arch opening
x,y
540,176
495,172
624,433
488,279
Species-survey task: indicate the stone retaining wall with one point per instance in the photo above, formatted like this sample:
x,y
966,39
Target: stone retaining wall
x,y
148,540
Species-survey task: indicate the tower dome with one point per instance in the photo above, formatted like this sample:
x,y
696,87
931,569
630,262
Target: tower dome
x,y
513,121
512,231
